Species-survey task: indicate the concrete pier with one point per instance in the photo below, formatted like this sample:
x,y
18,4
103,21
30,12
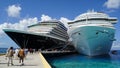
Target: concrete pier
x,y
32,61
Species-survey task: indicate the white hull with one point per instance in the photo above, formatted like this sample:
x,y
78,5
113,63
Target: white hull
x,y
92,40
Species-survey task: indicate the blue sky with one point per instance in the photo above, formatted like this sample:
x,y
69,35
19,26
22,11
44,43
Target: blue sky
x,y
18,14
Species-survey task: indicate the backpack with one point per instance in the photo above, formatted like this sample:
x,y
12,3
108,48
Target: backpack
x,y
21,53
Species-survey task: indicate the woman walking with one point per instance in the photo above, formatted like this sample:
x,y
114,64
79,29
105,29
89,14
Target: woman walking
x,y
16,53
21,55
10,53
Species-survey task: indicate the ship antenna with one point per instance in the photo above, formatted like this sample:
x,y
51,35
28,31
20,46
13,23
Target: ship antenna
x,y
91,10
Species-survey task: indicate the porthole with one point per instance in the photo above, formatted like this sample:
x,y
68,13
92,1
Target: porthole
x,y
96,32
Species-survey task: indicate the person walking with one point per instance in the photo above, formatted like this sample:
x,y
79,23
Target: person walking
x,y
16,53
21,56
26,52
10,53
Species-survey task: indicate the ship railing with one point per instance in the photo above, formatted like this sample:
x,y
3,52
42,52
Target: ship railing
x,y
57,37
59,33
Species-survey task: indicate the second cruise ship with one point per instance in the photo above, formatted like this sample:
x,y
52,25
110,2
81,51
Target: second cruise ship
x,y
92,33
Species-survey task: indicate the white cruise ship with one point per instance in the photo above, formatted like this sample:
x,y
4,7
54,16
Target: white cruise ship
x,y
92,33
45,35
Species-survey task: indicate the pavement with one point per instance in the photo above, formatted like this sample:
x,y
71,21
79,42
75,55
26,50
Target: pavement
x,y
35,60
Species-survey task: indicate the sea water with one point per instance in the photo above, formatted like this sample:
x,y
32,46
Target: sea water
x,y
81,61
3,50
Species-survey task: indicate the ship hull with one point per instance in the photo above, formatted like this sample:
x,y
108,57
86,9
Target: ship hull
x,y
32,40
92,40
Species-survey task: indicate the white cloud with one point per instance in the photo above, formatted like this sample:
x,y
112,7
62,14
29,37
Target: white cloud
x,y
26,22
45,18
62,19
65,21
112,4
21,25
14,10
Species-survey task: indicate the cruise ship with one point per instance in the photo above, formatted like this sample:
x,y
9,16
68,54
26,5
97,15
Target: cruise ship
x,y
45,35
92,33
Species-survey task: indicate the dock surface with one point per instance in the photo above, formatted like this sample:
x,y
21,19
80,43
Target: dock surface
x,y
35,60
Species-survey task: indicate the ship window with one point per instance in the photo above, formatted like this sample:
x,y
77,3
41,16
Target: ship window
x,y
96,32
78,33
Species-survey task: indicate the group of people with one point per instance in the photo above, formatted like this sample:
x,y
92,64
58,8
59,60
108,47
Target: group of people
x,y
18,54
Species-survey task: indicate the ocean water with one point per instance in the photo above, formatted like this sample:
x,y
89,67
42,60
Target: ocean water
x,y
81,61
3,50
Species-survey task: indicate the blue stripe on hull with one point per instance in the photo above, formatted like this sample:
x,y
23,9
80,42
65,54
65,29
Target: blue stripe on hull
x,y
93,40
